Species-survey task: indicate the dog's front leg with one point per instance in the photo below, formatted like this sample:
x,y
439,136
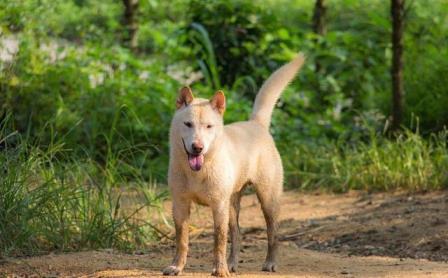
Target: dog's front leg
x,y
221,222
181,214
234,231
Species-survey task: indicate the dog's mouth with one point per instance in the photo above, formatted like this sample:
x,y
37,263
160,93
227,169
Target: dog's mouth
x,y
194,160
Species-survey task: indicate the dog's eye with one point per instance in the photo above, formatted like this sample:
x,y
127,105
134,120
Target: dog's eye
x,y
188,124
209,126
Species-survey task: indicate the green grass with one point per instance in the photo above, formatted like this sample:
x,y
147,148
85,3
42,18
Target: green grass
x,y
408,162
89,136
52,199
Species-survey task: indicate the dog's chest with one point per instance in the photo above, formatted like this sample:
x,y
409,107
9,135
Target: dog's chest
x,y
204,189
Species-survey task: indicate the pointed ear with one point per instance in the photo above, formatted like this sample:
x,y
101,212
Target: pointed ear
x,y
218,102
185,97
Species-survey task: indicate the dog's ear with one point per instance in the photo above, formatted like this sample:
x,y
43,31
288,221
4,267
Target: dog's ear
x,y
218,102
185,97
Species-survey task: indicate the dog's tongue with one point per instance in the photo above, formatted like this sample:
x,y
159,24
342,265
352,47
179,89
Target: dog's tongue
x,y
195,161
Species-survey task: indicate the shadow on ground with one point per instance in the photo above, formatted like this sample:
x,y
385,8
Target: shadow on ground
x,y
402,226
323,235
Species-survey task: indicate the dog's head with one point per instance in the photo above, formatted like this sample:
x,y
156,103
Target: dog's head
x,y
197,123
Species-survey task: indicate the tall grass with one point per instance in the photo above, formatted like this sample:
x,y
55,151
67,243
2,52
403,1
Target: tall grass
x,y
207,62
408,162
51,199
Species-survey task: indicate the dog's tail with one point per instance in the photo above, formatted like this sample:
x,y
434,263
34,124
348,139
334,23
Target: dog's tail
x,y
272,88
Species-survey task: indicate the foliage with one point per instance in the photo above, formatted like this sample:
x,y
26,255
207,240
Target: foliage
x,y
71,72
408,162
51,199
87,93
239,37
85,119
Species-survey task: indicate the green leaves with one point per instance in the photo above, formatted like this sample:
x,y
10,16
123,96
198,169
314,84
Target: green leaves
x,y
71,79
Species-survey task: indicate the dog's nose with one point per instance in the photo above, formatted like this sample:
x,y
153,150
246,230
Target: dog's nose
x,y
197,147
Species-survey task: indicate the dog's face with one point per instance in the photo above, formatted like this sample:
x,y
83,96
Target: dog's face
x,y
197,123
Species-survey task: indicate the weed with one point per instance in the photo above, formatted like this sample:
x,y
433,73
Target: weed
x,y
51,199
408,162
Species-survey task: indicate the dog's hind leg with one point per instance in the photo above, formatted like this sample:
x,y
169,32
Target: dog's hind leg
x,y
269,196
181,214
232,261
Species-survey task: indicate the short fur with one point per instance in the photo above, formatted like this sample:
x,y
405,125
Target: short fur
x,y
211,163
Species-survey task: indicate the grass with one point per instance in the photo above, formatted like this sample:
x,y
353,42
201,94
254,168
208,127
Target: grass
x,y
52,199
408,162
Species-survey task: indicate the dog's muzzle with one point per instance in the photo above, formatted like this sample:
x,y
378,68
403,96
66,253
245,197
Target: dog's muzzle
x,y
196,161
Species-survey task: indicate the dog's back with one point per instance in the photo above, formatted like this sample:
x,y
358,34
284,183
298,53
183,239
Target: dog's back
x,y
252,147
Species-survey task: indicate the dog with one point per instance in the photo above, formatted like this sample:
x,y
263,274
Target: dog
x,y
211,163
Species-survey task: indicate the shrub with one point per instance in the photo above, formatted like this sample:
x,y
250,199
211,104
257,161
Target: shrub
x,y
51,199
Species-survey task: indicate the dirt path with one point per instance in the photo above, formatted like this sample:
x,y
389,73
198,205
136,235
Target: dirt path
x,y
323,235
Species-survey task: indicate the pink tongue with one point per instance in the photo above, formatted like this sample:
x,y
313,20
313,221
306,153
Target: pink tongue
x,y
195,161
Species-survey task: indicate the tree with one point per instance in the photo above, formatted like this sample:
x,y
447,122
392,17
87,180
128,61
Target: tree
x,y
130,23
319,28
320,10
397,13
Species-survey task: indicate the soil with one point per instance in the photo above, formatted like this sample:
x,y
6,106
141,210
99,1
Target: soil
x,y
322,235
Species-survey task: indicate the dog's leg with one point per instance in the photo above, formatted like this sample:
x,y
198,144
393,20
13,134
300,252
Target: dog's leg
x,y
221,222
232,261
181,214
269,200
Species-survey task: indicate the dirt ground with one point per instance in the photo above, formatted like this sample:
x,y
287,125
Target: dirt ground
x,y
323,235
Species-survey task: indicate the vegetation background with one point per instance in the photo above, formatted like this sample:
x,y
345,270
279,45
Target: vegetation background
x,y
87,91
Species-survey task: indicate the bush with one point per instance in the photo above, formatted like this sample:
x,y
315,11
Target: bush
x,y
85,120
72,80
51,199
242,36
88,93
408,162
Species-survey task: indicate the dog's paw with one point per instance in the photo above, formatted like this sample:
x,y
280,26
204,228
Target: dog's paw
x,y
171,270
269,266
221,272
232,265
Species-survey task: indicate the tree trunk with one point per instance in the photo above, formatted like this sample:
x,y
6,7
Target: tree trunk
x,y
130,24
319,28
397,12
319,13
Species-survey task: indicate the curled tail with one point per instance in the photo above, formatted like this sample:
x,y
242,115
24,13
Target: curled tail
x,y
272,88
